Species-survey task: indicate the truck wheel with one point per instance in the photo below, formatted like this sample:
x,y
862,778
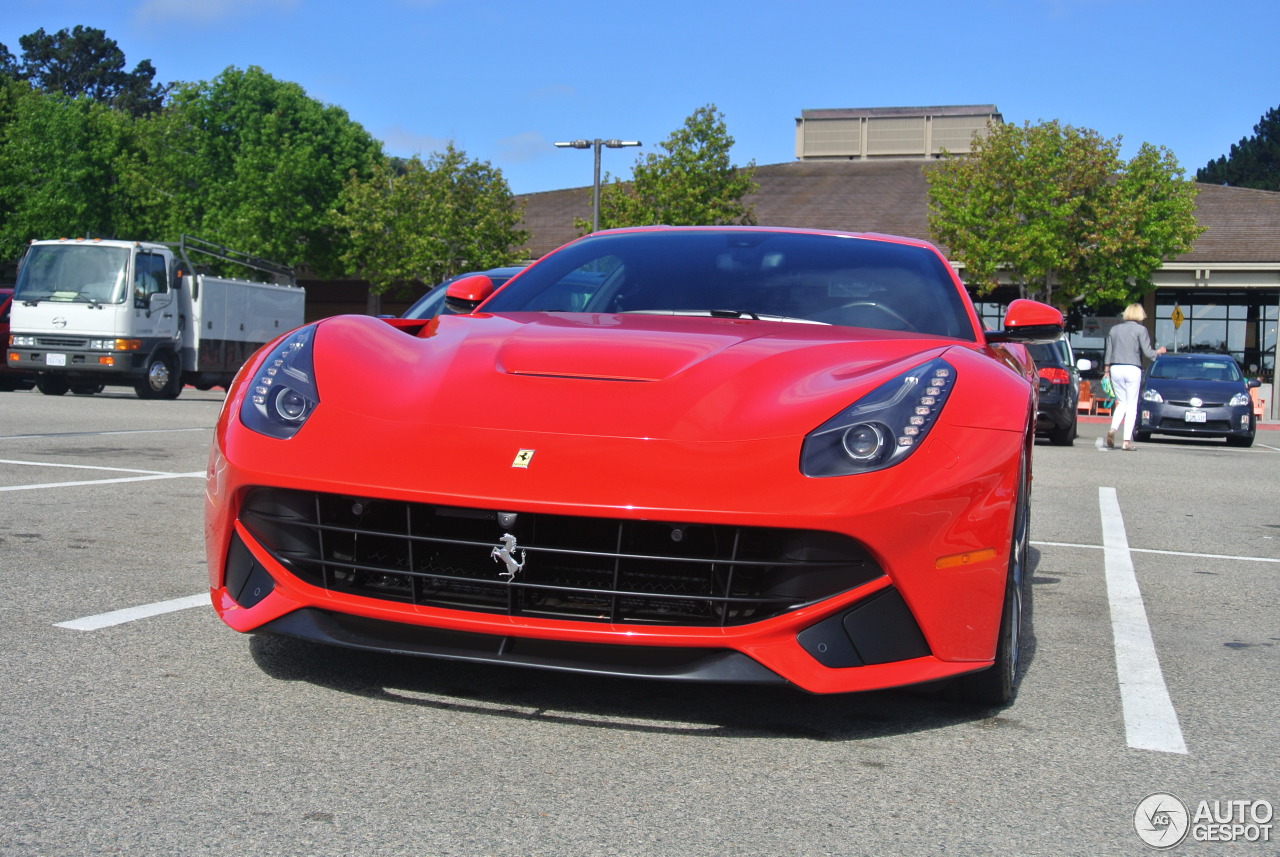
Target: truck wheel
x,y
53,386
162,381
87,389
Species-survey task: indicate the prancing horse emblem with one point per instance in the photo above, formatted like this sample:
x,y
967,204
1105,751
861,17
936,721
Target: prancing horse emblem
x,y
506,554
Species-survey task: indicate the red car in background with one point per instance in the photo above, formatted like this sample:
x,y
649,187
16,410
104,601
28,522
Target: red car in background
x,y
705,453
10,379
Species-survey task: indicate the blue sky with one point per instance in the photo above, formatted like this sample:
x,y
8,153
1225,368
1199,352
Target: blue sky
x,y
504,79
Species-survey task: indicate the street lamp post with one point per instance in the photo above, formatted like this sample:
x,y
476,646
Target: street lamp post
x,y
596,144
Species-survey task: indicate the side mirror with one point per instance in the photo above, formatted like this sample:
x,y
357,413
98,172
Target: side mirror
x,y
1029,321
1255,382
1084,365
464,295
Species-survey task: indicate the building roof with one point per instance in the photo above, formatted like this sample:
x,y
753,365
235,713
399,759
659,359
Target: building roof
x,y
890,196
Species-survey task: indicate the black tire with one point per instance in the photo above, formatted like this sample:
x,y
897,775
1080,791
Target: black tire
x,y
53,386
87,389
163,380
1142,436
1238,440
1065,436
996,685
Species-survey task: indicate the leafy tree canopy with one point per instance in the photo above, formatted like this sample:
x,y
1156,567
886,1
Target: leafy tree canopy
x,y
8,65
251,162
58,167
693,184
1253,162
1054,208
421,222
84,62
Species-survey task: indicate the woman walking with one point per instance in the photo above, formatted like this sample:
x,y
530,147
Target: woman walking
x,y
1127,343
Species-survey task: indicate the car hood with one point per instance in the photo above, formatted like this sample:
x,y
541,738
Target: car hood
x,y
642,376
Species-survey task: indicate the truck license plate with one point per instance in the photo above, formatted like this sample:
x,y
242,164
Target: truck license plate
x,y
55,360
1196,416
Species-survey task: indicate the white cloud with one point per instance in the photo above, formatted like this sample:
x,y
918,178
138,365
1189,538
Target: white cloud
x,y
523,148
402,143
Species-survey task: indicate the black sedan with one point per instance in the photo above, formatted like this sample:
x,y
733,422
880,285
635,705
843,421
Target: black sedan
x,y
1059,375
1196,395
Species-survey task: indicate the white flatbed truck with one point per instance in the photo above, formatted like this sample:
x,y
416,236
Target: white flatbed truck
x,y
94,312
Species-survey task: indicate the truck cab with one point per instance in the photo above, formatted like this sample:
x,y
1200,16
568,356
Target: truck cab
x,y
88,313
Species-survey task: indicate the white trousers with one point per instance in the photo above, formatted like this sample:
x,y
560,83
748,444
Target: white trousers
x,y
1126,380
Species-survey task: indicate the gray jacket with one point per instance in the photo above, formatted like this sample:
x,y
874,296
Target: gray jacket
x,y
1127,343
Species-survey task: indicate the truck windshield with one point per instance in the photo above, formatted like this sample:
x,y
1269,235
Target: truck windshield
x,y
73,273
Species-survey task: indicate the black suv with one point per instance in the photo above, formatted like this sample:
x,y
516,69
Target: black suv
x,y
1059,390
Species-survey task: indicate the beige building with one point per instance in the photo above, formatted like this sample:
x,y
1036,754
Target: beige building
x,y
862,170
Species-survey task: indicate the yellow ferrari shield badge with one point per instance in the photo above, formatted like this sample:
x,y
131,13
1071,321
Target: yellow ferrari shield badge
x,y
523,457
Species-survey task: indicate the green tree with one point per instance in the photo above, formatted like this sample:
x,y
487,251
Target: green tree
x,y
414,222
693,184
1054,209
58,167
250,162
8,65
84,62
1253,162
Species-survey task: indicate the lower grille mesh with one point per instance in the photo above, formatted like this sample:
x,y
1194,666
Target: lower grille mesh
x,y
552,566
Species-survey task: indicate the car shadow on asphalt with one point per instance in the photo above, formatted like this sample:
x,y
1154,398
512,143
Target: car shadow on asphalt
x,y
633,705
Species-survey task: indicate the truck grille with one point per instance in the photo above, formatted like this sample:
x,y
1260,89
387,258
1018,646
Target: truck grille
x,y
561,567
62,341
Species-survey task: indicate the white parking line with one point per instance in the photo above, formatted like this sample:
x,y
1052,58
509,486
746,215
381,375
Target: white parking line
x,y
130,614
1150,722
78,466
196,474
146,475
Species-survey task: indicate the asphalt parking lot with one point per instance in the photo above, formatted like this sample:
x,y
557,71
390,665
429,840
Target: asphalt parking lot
x,y
136,723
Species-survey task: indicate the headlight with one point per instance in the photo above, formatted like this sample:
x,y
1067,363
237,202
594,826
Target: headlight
x,y
22,341
1240,399
1150,395
283,391
883,427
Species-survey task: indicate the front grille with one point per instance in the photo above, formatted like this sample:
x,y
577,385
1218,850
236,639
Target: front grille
x,y
570,567
1180,424
61,341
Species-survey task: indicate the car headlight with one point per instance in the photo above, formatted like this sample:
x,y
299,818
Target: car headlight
x,y
883,427
1239,400
283,391
1150,395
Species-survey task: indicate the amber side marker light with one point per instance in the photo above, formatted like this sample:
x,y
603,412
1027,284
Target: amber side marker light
x,y
107,360
959,559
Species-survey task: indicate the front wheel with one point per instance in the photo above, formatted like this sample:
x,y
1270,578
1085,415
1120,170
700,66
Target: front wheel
x,y
996,685
53,386
163,379
1142,436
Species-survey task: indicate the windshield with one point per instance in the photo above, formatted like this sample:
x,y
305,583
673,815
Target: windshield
x,y
1210,369
76,273
772,276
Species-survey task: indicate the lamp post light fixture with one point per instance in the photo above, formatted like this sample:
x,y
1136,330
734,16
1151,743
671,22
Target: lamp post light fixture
x,y
596,144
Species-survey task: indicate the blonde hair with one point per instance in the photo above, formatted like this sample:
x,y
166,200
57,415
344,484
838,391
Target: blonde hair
x,y
1134,312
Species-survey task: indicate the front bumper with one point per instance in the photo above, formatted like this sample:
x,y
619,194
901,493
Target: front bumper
x,y
1214,421
901,621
